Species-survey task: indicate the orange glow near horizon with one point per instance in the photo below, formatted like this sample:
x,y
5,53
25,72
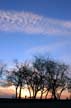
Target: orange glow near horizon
x,y
25,93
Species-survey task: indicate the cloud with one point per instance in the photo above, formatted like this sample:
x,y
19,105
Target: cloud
x,y
14,21
43,49
7,92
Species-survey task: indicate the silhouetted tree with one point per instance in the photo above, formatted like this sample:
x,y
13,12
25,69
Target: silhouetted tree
x,y
69,82
2,68
39,66
45,75
52,74
13,78
25,73
2,73
18,77
35,83
56,77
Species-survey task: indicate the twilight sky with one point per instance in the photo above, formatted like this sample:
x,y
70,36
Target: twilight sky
x,y
30,27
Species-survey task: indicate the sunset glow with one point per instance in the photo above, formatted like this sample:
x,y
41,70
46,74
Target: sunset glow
x,y
10,92
30,28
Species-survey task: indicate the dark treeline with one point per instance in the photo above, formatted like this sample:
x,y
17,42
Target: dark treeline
x,y
43,75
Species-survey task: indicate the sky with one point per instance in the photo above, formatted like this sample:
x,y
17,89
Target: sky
x,y
32,27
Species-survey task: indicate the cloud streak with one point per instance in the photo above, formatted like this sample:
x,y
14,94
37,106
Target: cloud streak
x,y
14,21
50,48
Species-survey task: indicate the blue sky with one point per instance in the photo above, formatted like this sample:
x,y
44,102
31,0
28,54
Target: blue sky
x,y
52,8
30,27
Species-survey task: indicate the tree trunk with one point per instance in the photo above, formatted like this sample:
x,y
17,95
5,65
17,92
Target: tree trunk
x,y
29,92
16,92
20,92
46,95
41,94
34,97
54,95
70,95
61,92
34,94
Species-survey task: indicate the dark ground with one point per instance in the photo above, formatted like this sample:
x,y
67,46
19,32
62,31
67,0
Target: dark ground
x,y
31,103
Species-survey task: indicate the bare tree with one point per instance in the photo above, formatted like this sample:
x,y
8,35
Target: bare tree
x,y
35,83
53,75
13,78
18,77
2,68
56,77
69,85
38,76
46,75
2,73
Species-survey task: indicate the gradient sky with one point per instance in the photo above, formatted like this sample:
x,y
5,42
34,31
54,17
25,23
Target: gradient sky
x,y
30,27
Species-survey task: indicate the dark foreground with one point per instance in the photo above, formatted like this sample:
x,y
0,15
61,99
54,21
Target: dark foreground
x,y
31,103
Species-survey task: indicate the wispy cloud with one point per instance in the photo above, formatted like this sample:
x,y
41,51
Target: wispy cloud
x,y
43,49
32,23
